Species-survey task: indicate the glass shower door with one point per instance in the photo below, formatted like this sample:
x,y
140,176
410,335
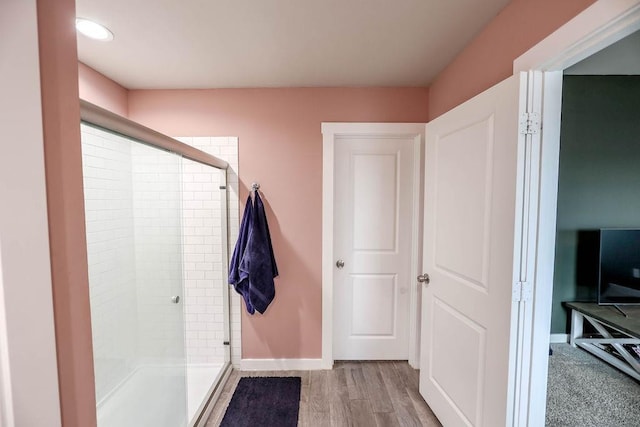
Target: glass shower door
x,y
206,292
133,207
157,196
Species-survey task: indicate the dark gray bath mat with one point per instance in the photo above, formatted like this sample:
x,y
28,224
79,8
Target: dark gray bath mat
x,y
264,401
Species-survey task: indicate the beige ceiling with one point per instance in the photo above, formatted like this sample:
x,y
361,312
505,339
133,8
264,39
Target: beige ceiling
x,y
279,43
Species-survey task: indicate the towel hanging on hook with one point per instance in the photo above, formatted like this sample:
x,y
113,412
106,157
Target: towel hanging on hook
x,y
253,265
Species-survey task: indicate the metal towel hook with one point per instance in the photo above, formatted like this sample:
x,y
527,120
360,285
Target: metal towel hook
x,y
255,186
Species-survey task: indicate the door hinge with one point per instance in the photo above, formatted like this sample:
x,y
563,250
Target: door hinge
x,y
522,291
530,123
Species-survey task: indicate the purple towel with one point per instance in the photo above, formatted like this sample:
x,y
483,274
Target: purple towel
x,y
253,265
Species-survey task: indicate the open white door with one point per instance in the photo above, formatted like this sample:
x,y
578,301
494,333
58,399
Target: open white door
x,y
472,254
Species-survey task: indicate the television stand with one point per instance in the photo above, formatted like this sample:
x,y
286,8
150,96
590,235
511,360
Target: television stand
x,y
617,307
615,334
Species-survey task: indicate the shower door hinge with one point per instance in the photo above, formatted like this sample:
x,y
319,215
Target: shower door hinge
x,y
530,123
522,291
222,187
225,342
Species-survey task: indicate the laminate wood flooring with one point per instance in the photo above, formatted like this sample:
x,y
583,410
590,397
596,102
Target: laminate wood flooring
x,y
367,394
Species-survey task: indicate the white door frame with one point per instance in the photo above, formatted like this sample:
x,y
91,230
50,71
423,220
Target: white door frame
x,y
598,26
330,134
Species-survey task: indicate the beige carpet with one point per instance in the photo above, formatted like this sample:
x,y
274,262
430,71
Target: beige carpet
x,y
584,391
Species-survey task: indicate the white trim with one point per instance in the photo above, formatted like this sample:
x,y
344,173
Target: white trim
x,y
329,133
524,247
558,338
281,364
600,25
543,265
327,248
415,314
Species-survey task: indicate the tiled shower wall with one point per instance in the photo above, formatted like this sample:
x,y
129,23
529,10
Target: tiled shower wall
x,y
107,170
204,267
131,199
157,212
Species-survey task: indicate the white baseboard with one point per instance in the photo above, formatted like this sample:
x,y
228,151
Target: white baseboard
x,y
280,364
559,338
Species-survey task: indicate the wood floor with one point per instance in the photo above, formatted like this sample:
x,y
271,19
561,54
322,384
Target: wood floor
x,y
367,394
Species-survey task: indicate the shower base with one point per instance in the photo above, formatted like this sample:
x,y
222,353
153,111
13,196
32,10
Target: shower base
x,y
200,379
154,396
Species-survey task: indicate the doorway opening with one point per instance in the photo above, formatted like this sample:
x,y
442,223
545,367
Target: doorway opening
x,y
359,165
598,27
597,189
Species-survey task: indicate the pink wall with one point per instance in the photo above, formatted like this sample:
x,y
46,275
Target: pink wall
x,y
280,146
101,91
488,59
65,207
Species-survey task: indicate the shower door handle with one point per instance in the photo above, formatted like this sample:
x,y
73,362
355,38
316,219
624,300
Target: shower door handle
x,y
175,299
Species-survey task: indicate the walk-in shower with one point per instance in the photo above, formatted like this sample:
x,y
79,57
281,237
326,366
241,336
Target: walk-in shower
x,y
157,230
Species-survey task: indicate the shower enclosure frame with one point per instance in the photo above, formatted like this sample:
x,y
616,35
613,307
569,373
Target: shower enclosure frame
x,y
99,117
105,119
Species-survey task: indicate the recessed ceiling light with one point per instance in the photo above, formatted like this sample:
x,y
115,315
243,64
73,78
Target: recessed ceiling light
x,y
93,30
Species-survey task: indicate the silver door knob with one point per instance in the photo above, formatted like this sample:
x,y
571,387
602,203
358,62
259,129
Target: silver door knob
x,y
175,299
340,263
424,278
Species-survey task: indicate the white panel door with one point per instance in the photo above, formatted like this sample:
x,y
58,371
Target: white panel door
x,y
373,223
469,239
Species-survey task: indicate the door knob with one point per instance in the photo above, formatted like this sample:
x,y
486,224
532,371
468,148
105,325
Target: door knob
x,y
175,299
340,263
424,278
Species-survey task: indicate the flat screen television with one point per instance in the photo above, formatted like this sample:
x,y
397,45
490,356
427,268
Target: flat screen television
x,y
619,266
